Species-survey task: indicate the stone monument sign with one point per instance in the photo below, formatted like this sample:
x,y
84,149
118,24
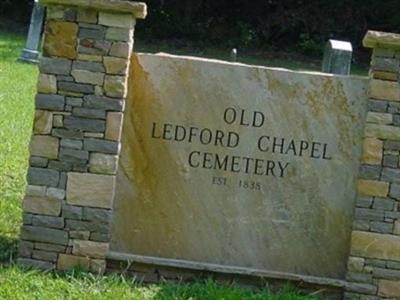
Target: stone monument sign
x,y
239,165
165,165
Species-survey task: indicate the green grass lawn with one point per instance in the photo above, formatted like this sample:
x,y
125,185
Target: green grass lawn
x,y
17,89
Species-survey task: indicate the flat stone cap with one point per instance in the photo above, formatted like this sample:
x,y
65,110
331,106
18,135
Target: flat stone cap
x,y
379,39
138,9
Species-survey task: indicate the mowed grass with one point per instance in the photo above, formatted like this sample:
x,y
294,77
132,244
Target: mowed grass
x,y
17,89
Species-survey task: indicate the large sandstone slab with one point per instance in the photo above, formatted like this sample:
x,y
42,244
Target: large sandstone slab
x,y
217,200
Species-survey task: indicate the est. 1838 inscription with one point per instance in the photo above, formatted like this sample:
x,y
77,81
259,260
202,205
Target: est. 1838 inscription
x,y
238,165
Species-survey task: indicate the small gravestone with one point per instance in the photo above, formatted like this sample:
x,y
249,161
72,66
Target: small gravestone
x,y
337,57
30,52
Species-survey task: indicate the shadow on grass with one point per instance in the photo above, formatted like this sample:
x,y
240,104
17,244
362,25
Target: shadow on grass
x,y
8,249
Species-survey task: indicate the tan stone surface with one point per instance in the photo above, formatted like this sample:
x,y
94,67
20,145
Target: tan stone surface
x,y
137,9
300,222
355,264
60,39
373,188
43,122
44,146
84,189
115,86
384,90
88,57
90,249
114,126
42,205
372,151
375,245
382,132
83,76
87,16
385,75
116,20
378,39
103,163
389,288
115,65
67,262
47,84
379,118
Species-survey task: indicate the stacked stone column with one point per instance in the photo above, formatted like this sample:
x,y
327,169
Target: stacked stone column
x,y
77,132
374,262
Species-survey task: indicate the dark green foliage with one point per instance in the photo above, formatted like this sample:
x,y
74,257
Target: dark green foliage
x,y
299,24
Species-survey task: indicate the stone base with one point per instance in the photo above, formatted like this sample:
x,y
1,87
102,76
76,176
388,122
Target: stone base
x,y
153,270
29,56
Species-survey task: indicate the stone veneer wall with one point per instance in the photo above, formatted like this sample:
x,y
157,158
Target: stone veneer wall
x,y
77,131
374,260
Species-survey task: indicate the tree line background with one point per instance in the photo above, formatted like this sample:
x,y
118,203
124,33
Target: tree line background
x,y
289,25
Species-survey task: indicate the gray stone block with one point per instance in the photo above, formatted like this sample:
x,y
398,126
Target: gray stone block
x,y
92,33
385,64
362,225
101,146
359,277
362,288
94,47
364,202
50,247
370,172
80,167
72,144
72,212
89,113
83,124
395,191
72,101
375,262
391,175
87,226
63,181
96,214
391,161
103,103
80,88
27,219
65,78
37,264
60,165
377,106
381,227
89,66
50,102
67,134
70,14
382,52
45,235
383,204
39,162
100,237
393,265
394,108
393,215
58,66
119,34
391,145
40,176
386,274
73,155
396,120
48,221
45,255
369,214
25,248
